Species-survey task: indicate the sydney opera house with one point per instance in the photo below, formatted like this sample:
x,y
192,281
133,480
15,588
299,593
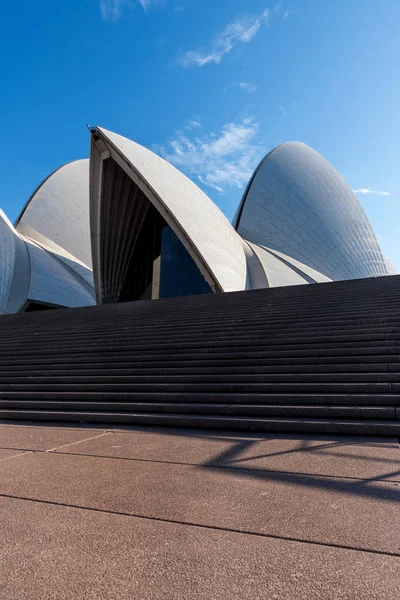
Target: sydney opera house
x,y
127,225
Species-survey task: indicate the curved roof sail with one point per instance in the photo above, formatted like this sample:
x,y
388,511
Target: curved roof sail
x,y
199,224
298,204
57,214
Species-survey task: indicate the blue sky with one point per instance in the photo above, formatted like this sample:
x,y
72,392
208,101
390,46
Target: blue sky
x,y
210,84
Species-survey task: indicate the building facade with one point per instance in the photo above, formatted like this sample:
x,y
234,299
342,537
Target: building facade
x,y
127,225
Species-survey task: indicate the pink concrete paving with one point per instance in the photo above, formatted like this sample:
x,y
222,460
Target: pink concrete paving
x,y
341,456
6,454
26,437
92,513
59,552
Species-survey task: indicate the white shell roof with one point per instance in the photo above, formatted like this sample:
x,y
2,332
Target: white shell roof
x,y
57,214
7,259
303,269
201,226
53,282
391,269
282,270
298,204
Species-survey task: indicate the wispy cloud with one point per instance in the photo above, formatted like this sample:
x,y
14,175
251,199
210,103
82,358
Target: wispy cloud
x,y
371,191
277,9
240,31
248,87
193,124
218,160
283,111
111,10
190,125
179,8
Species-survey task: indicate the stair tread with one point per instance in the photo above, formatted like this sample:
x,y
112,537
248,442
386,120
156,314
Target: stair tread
x,y
203,417
321,358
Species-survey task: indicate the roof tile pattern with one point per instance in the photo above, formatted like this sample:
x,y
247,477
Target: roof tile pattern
x,y
298,204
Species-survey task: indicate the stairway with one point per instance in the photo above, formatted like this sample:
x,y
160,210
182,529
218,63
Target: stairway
x,y
311,358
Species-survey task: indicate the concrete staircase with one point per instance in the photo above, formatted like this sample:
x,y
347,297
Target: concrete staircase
x,y
312,358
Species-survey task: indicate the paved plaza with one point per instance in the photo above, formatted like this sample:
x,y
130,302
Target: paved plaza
x,y
96,513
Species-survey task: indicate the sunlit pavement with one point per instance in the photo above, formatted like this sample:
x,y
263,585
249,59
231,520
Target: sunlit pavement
x,y
171,513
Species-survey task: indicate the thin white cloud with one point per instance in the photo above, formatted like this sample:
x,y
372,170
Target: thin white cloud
x,y
285,15
248,87
283,111
111,10
193,124
218,160
371,191
278,6
240,31
179,8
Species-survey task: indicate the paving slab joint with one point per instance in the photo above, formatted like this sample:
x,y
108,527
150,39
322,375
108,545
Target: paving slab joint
x,y
78,441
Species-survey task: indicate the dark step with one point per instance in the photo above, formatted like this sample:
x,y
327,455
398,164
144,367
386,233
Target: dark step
x,y
284,325
298,387
318,308
200,379
391,346
358,317
198,360
267,410
193,339
270,318
339,426
382,295
208,353
264,303
192,343
321,358
176,369
238,329
112,396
